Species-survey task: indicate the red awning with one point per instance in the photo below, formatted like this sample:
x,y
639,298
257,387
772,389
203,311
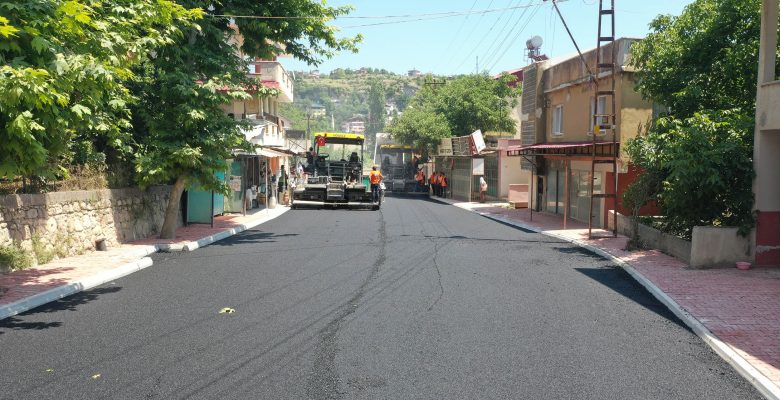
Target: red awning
x,y
561,148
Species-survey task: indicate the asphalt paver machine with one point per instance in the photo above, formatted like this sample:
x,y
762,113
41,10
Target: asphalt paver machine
x,y
397,168
335,175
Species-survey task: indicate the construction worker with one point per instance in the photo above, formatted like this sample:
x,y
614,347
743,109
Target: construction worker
x,y
436,184
419,177
375,178
430,182
443,185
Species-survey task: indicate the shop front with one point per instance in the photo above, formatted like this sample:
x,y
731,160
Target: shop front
x,y
561,176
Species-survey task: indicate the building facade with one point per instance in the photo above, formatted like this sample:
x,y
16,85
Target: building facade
x,y
557,131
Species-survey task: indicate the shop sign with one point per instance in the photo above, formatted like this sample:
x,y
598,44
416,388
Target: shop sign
x,y
445,147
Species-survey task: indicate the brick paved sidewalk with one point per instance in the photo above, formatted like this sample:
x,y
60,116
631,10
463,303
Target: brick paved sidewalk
x,y
66,276
740,308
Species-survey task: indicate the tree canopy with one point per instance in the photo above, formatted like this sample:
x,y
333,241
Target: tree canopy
x,y
457,108
702,66
704,59
63,74
184,135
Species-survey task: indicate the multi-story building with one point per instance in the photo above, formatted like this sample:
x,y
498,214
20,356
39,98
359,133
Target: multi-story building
x,y
557,131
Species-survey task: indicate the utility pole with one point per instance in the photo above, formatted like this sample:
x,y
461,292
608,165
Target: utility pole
x,y
477,70
308,126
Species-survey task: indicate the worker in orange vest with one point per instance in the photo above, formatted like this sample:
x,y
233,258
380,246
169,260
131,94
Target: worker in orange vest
x,y
375,178
443,185
419,177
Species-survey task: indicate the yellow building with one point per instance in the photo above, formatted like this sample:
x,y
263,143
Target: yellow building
x,y
557,131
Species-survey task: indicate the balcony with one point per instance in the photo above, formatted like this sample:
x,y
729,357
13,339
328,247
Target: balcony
x,y
273,75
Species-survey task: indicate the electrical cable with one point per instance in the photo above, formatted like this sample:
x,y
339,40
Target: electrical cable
x,y
470,34
439,14
501,32
494,51
468,56
457,34
528,21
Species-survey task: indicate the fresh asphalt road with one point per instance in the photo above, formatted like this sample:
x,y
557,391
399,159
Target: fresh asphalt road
x,y
420,300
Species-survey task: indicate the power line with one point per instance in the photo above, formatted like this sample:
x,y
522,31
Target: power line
x,y
491,51
440,14
528,21
590,73
473,28
457,33
468,56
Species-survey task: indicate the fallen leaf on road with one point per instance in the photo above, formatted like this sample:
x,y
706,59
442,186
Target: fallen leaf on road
x,y
95,376
49,370
227,310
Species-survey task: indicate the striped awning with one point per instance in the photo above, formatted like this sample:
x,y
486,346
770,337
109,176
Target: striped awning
x,y
562,148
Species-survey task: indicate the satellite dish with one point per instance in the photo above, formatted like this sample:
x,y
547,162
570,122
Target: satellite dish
x,y
534,43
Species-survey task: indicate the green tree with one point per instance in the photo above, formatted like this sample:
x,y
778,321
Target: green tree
x,y
183,134
704,169
421,127
704,59
63,74
702,66
376,108
457,108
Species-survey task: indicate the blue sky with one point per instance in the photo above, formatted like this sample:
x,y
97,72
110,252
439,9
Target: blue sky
x,y
451,45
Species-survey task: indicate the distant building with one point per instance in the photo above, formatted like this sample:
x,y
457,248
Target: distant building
x,y
314,74
317,110
414,72
354,125
390,108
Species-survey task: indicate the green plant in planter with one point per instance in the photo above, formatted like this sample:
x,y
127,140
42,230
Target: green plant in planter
x,y
13,257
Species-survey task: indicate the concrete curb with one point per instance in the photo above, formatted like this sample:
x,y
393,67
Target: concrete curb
x,y
763,384
193,245
59,292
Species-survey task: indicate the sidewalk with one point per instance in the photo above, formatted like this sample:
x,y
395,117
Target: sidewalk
x,y
736,312
23,290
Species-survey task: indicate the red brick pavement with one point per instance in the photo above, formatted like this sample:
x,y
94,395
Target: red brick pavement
x,y
741,308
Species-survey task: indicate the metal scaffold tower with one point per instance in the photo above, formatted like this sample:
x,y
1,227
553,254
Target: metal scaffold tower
x,y
604,121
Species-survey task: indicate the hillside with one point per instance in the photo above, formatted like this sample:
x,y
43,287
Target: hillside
x,y
345,94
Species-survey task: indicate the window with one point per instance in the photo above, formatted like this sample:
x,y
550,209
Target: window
x,y
600,109
558,120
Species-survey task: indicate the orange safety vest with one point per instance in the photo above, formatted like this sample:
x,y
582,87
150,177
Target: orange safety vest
x,y
432,179
420,177
443,180
374,177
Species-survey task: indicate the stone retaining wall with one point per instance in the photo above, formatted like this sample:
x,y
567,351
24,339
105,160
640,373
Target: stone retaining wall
x,y
70,222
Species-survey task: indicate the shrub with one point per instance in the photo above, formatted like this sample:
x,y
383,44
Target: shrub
x,y
42,254
13,257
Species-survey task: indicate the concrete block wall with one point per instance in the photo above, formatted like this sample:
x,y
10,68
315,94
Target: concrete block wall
x,y
71,222
710,246
654,238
